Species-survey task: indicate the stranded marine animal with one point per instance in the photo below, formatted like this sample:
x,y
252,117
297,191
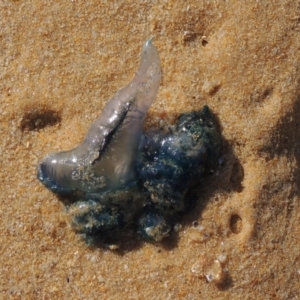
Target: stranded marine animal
x,y
120,176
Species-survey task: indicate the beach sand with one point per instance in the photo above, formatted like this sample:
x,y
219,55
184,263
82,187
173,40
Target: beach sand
x,y
62,60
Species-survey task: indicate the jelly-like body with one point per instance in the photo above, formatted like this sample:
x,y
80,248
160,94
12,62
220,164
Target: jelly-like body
x,y
119,176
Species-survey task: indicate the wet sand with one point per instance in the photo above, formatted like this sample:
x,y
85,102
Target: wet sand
x,y
61,61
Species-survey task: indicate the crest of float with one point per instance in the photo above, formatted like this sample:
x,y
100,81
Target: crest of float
x,y
105,159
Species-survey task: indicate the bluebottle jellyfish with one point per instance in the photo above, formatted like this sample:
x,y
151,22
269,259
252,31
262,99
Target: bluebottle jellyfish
x,y
120,176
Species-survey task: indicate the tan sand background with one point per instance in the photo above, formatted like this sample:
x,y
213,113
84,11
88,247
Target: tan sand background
x,y
62,60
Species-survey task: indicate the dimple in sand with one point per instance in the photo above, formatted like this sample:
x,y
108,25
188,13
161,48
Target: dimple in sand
x,y
120,177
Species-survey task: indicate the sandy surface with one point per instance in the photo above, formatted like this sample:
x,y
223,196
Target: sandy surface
x,y
60,62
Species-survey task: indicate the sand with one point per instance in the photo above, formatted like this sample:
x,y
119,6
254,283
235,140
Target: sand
x,y
62,60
